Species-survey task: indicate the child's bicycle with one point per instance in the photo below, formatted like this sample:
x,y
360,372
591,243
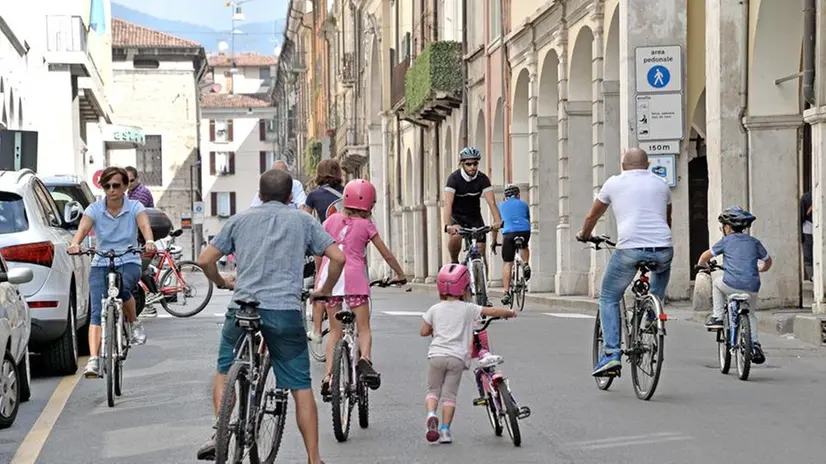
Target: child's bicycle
x,y
735,336
348,386
494,388
317,350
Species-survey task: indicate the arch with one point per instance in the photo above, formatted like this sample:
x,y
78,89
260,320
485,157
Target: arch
x,y
374,107
548,102
448,155
579,88
409,180
612,69
497,146
520,147
698,121
479,140
776,52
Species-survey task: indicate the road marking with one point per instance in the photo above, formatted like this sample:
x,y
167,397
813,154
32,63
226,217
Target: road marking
x,y
570,315
31,446
631,440
403,313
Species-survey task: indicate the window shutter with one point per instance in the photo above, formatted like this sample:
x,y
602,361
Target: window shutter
x,y
211,130
263,161
213,203
231,162
212,170
229,130
232,203
262,130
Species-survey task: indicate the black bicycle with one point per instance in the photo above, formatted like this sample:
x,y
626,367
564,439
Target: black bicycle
x,y
475,262
643,332
251,400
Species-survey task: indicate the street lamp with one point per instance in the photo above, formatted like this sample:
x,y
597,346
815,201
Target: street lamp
x,y
237,16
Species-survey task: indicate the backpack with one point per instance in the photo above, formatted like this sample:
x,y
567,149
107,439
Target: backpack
x,y
336,206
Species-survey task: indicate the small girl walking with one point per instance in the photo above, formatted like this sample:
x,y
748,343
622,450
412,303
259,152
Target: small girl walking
x,y
353,231
450,323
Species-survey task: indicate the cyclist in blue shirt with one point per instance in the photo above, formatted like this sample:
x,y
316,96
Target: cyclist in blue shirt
x,y
516,216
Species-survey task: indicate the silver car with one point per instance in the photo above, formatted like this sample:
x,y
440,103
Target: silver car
x,y
34,235
15,328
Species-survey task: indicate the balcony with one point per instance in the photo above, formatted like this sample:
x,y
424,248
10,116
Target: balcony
x,y
433,84
397,83
348,69
351,143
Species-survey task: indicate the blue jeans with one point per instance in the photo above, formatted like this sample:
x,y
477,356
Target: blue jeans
x,y
130,274
620,272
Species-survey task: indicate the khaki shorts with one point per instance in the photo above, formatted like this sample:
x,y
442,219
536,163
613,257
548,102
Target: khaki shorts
x,y
444,374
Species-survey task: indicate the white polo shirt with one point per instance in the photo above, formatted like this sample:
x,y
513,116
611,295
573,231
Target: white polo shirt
x,y
640,199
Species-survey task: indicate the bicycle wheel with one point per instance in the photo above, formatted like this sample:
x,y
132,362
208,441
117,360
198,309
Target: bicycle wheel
x,y
744,346
724,350
364,405
602,382
340,384
272,416
229,425
646,348
119,364
188,295
480,297
511,413
520,287
493,414
109,350
317,351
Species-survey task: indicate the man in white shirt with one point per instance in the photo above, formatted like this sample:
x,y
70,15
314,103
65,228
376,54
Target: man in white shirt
x,y
299,197
642,207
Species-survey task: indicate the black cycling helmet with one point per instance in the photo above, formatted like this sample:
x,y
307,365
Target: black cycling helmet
x,y
511,190
469,153
736,217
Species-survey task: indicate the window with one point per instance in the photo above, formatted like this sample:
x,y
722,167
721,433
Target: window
x,y
266,127
495,15
222,204
51,217
220,130
267,159
264,73
149,161
12,214
221,163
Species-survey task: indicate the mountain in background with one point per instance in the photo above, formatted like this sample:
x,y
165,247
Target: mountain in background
x,y
259,37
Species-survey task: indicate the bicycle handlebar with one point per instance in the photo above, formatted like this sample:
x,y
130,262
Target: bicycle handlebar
x,y
473,231
486,322
382,283
712,266
597,241
111,254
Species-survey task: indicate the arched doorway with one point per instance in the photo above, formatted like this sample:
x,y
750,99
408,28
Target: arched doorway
x,y
520,148
479,141
497,146
448,162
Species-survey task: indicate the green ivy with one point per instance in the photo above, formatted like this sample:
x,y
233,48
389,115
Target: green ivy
x,y
437,69
312,157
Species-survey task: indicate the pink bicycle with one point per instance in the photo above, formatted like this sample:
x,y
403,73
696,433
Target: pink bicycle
x,y
494,388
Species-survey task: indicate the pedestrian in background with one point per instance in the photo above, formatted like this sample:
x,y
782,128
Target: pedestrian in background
x,y
806,234
138,191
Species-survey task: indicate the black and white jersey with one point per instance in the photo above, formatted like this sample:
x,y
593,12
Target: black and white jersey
x,y
467,193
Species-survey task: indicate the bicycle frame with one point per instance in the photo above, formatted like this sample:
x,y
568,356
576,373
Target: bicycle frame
x,y
473,256
115,304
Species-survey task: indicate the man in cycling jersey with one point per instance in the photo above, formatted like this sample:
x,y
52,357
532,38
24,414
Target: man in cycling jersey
x,y
516,218
463,194
642,207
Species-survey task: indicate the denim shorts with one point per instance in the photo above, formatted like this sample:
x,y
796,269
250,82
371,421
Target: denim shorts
x,y
130,274
283,331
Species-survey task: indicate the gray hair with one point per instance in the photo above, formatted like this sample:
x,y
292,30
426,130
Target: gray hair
x,y
275,185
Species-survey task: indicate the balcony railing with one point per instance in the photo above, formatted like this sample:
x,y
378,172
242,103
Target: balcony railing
x,y
433,84
66,34
348,68
397,82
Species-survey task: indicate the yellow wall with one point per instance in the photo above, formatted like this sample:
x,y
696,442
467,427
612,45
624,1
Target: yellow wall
x,y
522,9
695,60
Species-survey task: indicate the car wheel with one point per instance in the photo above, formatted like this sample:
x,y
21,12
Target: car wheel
x,y
83,333
24,373
61,357
9,391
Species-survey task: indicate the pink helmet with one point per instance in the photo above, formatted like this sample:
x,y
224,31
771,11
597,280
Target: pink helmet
x,y
359,194
453,280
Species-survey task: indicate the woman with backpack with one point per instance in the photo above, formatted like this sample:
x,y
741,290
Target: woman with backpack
x,y
326,199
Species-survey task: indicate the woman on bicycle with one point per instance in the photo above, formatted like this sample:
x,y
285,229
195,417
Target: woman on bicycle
x,y
450,323
353,231
116,220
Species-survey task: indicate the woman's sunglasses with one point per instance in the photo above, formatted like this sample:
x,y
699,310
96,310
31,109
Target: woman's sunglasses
x,y
111,186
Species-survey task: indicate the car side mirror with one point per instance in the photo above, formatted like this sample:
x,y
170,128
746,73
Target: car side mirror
x,y
72,212
17,276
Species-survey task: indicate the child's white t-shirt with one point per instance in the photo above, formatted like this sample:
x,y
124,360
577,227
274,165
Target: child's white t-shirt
x,y
452,323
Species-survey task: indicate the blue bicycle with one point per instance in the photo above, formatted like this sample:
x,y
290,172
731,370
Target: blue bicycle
x,y
735,336
475,263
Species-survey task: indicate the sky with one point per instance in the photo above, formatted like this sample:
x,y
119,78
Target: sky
x,y
211,13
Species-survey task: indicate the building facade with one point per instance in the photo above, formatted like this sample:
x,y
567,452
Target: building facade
x,y
14,69
156,86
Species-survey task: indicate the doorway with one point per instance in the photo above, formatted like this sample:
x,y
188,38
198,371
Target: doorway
x,y
698,204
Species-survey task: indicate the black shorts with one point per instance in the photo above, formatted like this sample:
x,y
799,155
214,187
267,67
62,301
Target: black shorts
x,y
509,245
470,223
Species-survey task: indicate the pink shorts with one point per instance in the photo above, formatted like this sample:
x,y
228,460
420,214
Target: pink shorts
x,y
334,302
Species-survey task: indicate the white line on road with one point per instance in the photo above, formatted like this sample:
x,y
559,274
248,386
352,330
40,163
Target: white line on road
x,y
31,446
403,313
630,440
570,315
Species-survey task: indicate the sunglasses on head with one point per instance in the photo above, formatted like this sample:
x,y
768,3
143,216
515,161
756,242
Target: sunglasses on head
x,y
471,163
111,186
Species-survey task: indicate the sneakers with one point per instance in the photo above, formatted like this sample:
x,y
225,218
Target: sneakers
x,y
149,312
445,436
314,338
757,356
432,428
714,322
526,271
489,360
92,370
607,363
368,374
138,334
207,451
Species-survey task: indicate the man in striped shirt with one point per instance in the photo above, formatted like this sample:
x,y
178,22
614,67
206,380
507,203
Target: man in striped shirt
x,y
138,191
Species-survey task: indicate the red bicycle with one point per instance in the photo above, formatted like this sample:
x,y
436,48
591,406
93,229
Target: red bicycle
x,y
180,287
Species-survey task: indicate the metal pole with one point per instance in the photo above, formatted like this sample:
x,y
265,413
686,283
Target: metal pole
x,y
192,212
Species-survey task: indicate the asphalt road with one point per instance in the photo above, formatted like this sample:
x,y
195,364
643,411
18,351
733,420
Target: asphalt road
x,y
697,414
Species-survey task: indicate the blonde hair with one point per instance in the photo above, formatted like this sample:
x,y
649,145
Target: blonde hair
x,y
357,213
464,297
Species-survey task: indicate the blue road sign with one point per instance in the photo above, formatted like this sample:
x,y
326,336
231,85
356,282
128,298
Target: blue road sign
x,y
658,77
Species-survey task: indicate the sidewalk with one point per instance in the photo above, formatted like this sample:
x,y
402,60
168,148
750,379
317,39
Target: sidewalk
x,y
805,326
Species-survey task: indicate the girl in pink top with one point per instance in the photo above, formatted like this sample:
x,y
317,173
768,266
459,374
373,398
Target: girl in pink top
x,y
353,231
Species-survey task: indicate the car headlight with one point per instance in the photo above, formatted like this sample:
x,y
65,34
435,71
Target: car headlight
x,y
113,292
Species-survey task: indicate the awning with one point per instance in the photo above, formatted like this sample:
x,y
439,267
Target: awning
x,y
117,136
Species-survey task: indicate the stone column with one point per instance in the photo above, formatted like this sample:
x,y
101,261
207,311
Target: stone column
x,y
817,118
419,243
611,146
598,259
397,226
545,206
434,238
378,267
408,233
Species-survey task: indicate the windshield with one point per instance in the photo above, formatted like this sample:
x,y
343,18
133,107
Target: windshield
x,y
12,214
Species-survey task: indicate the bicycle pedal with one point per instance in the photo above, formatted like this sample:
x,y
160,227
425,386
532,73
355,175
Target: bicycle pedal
x,y
524,412
480,402
610,373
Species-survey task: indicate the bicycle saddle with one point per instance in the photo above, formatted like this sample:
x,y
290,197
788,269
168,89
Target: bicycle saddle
x,y
176,233
345,316
649,265
519,241
739,297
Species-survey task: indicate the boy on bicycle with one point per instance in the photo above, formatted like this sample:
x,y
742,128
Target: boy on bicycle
x,y
516,216
741,269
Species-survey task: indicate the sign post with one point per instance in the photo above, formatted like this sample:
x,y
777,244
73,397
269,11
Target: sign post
x,y
198,212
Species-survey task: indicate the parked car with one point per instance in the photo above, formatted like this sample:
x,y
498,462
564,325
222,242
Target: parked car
x,y
34,235
15,328
69,187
